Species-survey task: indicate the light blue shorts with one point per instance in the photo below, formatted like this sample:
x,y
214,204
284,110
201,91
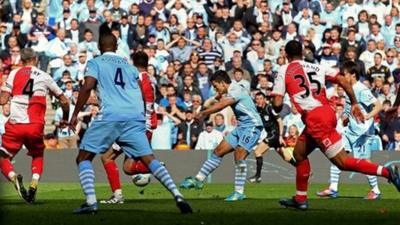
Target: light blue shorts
x,y
358,145
130,135
245,137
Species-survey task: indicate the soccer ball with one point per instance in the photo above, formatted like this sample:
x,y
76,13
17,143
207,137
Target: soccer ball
x,y
141,180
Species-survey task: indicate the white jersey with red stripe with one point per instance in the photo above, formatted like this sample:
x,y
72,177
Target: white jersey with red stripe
x,y
305,84
28,87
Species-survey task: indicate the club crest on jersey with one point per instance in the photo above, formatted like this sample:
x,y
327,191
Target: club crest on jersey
x,y
326,142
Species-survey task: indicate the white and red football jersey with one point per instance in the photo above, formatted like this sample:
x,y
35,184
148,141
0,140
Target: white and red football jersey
x,y
28,87
305,84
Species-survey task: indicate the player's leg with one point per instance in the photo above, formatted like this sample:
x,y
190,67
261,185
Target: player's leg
x,y
345,162
332,191
247,140
134,166
365,153
240,155
260,150
111,168
35,147
208,166
97,139
303,148
12,141
135,144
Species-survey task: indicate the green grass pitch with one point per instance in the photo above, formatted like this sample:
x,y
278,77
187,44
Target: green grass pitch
x,y
154,206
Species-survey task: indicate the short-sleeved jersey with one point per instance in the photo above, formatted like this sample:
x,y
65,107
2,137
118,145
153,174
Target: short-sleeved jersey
x,y
269,117
244,108
28,87
118,91
366,100
305,84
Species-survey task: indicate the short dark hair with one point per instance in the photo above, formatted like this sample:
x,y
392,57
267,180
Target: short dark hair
x,y
294,49
260,94
220,76
140,59
352,68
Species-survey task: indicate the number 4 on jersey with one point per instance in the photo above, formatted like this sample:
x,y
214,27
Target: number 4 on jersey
x,y
119,79
28,88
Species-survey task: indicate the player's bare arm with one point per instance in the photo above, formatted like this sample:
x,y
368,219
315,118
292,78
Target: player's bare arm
x,y
375,110
280,124
277,103
224,102
64,102
355,108
84,94
4,97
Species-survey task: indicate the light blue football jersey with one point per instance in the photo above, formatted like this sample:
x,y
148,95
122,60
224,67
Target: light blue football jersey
x,y
365,99
118,91
244,108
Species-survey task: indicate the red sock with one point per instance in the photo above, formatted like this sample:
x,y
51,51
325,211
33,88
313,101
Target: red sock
x,y
37,166
139,167
302,175
6,167
113,175
365,167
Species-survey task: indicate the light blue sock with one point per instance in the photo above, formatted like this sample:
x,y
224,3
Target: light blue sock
x,y
240,175
162,175
86,178
208,167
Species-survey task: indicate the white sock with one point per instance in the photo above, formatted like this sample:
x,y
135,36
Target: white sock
x,y
35,176
334,186
11,175
118,193
91,199
376,190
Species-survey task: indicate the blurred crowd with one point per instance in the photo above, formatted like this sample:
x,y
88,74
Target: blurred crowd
x,y
188,40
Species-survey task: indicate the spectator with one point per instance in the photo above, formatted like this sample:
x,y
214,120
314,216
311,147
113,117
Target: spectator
x,y
294,118
70,67
232,43
189,86
208,53
51,142
368,55
292,135
238,78
197,103
162,138
92,22
203,76
391,59
180,52
379,70
395,144
209,138
116,11
190,129
108,24
66,137
386,94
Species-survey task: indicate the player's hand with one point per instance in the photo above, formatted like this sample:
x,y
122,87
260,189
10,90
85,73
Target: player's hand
x,y
73,122
356,112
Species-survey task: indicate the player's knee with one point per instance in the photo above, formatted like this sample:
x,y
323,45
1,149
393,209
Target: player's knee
x,y
127,168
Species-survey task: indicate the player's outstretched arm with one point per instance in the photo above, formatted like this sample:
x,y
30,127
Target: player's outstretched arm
x,y
224,102
64,102
375,110
355,108
4,97
84,94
